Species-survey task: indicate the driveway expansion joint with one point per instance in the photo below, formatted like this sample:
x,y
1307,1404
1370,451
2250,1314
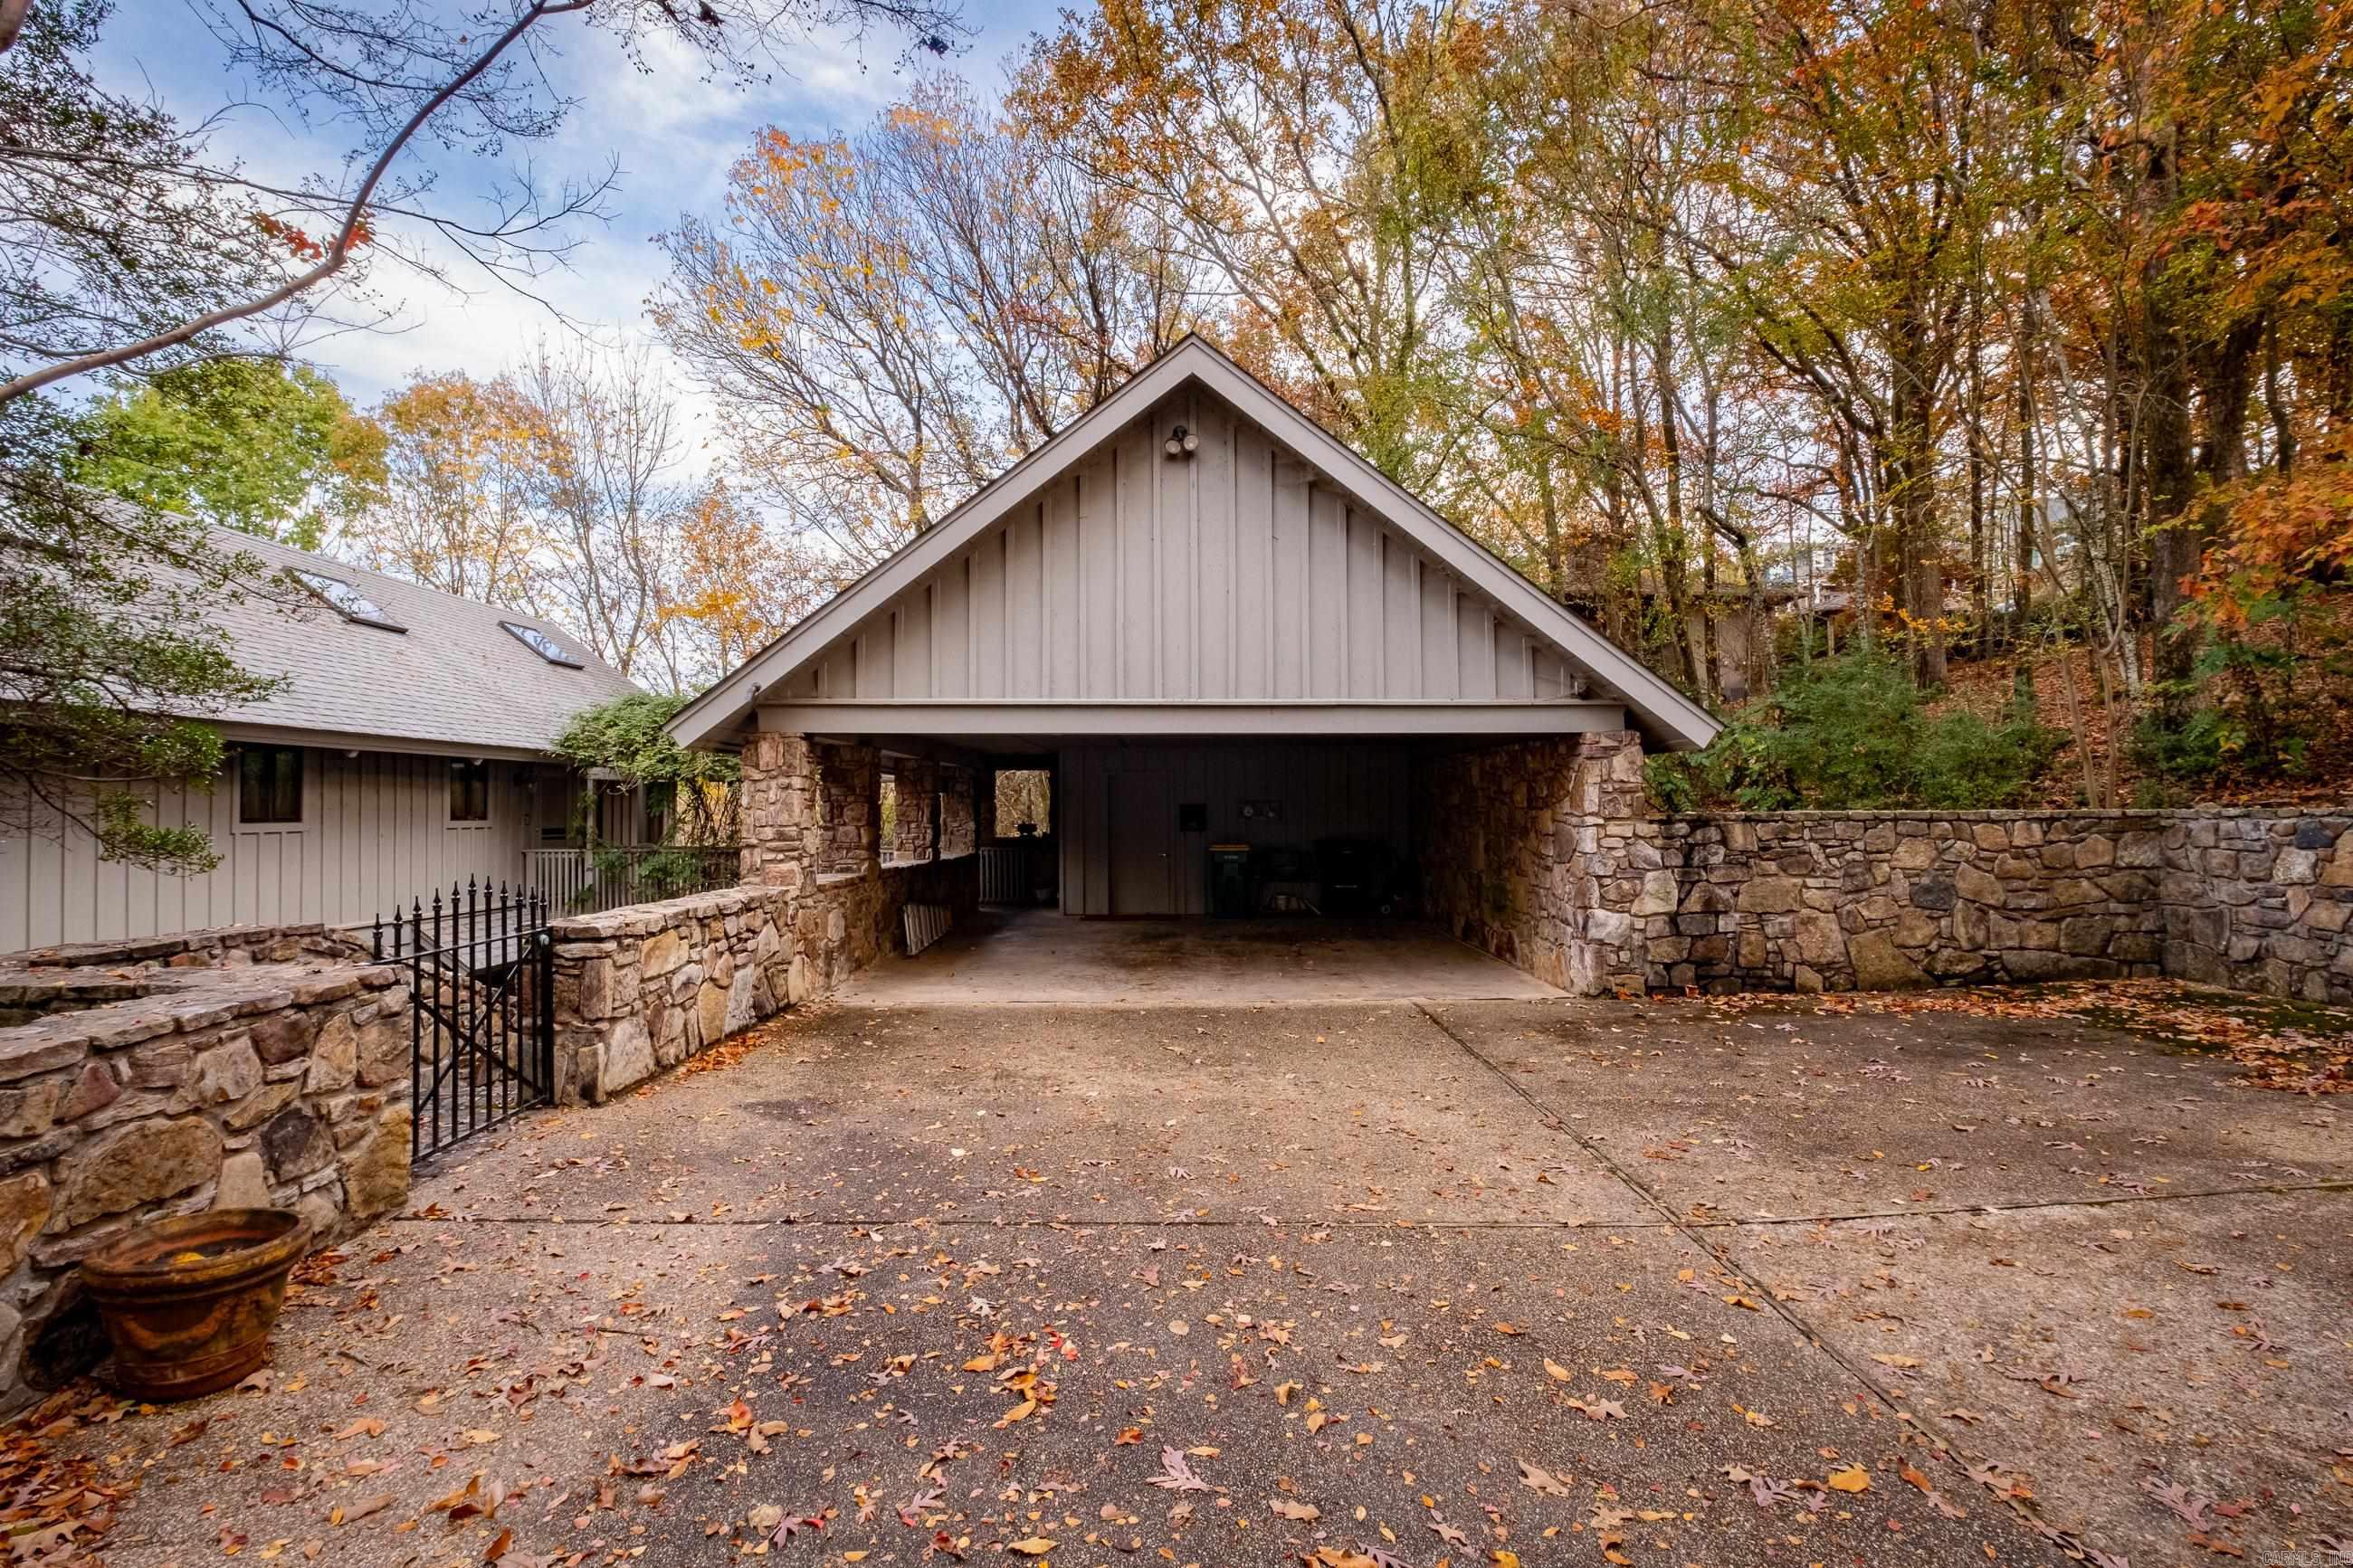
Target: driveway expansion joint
x,y
1197,1222
1975,1466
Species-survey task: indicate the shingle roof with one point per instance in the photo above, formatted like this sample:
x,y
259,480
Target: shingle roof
x,y
454,676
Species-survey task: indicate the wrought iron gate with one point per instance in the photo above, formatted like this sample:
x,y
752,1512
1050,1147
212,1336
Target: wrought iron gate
x,y
482,1031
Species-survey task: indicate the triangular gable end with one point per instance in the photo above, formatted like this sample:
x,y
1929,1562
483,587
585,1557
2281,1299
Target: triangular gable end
x,y
1269,565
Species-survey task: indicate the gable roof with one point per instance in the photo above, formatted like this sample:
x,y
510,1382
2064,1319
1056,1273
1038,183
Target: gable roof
x,y
1657,707
455,680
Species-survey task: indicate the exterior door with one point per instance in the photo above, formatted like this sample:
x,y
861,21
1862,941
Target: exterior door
x,y
1143,832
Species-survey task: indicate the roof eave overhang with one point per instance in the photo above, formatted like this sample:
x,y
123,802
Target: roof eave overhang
x,y
360,740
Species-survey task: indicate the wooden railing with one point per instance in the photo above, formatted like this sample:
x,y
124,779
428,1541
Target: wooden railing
x,y
1013,871
580,881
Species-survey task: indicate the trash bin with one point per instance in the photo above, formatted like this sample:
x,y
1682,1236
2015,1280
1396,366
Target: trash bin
x,y
1229,881
1354,874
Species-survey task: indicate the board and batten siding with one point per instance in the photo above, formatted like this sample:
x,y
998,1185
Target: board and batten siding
x,y
375,832
1232,574
1347,789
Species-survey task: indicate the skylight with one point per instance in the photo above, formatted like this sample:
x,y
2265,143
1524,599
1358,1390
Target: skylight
x,y
540,643
349,602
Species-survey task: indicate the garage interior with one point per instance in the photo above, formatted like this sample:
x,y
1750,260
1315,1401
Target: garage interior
x,y
1234,828
1211,870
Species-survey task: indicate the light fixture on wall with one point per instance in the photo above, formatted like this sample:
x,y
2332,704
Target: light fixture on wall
x,y
1181,443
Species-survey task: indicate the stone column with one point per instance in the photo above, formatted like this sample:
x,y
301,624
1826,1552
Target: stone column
x,y
958,828
919,788
1613,880
779,805
849,783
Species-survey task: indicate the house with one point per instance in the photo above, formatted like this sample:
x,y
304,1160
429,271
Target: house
x,y
1212,623
408,751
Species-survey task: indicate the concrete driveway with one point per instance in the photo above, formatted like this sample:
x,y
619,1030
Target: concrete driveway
x,y
1475,1282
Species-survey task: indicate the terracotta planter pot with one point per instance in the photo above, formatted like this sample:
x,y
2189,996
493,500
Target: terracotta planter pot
x,y
188,1302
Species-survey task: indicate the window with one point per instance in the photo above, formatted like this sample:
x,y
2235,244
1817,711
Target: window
x,y
469,792
270,784
540,643
1025,802
349,602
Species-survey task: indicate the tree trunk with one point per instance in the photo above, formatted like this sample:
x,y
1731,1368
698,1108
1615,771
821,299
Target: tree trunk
x,y
1674,566
1911,469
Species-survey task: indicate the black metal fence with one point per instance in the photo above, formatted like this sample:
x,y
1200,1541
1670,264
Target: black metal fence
x,y
481,967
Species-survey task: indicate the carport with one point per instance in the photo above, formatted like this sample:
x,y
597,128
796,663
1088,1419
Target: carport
x,y
1250,667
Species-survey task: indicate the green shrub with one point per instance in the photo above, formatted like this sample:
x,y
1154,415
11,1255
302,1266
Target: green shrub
x,y
1673,782
627,741
1967,765
1849,733
2244,717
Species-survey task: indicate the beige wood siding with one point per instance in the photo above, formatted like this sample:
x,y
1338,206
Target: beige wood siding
x,y
375,830
1336,790
1233,574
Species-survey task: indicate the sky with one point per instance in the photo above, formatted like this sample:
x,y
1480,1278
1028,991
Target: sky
x,y
672,135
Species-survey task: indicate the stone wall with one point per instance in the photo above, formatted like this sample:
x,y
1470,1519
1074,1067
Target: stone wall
x,y
2260,901
1541,853
1814,902
861,913
234,1083
642,988
215,947
639,990
1514,843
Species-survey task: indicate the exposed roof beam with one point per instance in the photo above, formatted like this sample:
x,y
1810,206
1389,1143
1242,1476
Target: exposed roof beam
x,y
979,721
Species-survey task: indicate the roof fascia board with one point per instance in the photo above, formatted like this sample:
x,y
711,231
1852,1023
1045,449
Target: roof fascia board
x,y
355,741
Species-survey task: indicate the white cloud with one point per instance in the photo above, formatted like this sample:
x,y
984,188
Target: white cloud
x,y
671,134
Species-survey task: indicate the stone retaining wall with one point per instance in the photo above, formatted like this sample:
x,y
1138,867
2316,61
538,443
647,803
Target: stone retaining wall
x,y
642,988
214,947
233,1084
1541,853
1814,902
639,990
2260,901
861,913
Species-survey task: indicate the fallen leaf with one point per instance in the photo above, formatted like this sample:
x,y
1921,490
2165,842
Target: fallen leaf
x,y
1177,1475
1537,1478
